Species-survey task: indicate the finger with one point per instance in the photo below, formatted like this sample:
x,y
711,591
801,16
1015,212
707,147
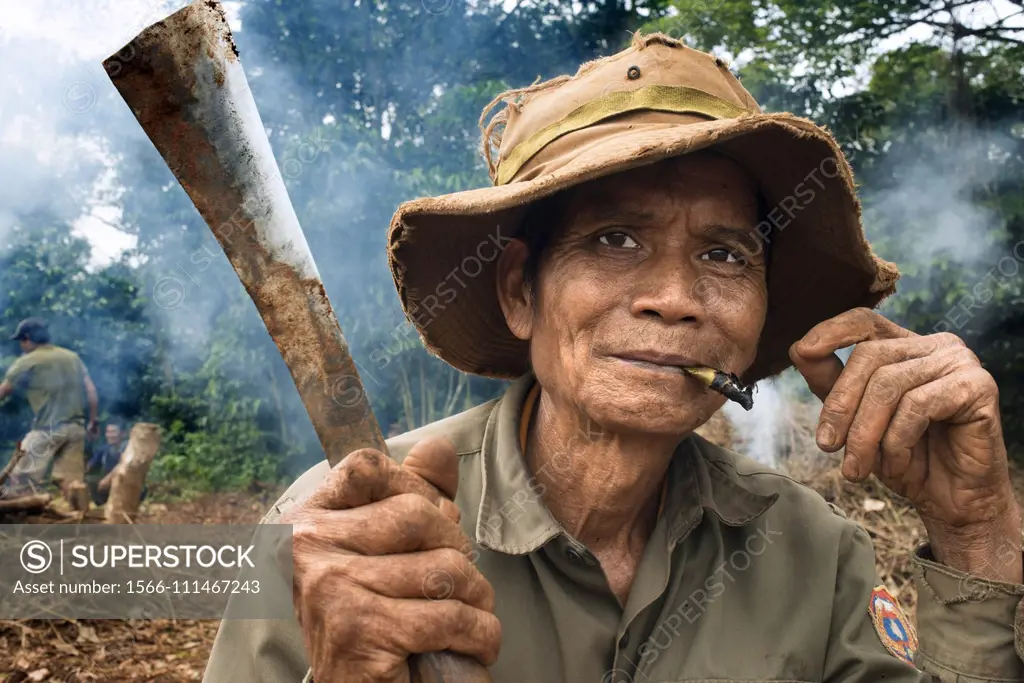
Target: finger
x,y
847,393
814,354
366,476
435,460
846,329
344,635
961,397
405,523
820,374
882,394
444,625
440,574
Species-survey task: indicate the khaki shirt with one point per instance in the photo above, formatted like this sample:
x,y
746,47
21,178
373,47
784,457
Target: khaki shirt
x,y
748,576
53,379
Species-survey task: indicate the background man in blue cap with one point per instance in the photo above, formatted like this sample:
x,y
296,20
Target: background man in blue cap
x,y
56,383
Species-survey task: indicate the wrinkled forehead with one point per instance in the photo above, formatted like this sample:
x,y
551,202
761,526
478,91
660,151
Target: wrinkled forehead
x,y
707,178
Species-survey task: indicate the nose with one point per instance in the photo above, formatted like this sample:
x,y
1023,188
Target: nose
x,y
669,291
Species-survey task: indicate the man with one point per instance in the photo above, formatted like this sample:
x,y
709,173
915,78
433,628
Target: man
x,y
576,530
100,468
56,383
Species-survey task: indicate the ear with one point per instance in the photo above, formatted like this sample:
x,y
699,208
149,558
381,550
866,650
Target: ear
x,y
513,294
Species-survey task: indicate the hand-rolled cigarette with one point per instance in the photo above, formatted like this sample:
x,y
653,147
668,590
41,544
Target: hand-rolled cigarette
x,y
725,383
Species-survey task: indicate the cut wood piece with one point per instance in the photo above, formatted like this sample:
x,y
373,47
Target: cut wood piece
x,y
78,496
35,501
129,476
18,455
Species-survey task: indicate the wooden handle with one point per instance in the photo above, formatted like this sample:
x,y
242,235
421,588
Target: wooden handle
x,y
447,667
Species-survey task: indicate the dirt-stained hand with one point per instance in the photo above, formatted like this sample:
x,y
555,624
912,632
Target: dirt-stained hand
x,y
921,414
382,569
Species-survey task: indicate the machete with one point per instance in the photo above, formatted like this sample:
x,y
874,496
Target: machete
x,y
184,83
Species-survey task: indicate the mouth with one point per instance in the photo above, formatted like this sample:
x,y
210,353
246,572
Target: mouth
x,y
657,360
725,383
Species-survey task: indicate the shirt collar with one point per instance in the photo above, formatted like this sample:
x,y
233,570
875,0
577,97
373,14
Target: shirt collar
x,y
514,520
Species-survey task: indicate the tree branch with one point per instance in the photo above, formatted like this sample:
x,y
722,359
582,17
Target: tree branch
x,y
987,32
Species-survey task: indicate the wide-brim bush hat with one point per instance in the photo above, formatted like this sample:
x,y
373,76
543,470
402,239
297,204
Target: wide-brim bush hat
x,y
654,100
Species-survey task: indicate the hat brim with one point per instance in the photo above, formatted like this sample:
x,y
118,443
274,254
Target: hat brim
x,y
443,250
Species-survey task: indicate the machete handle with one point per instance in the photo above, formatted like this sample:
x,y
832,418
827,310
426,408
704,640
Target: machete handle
x,y
429,667
446,667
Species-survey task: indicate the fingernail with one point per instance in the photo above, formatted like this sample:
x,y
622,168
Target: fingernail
x,y
851,468
826,436
801,345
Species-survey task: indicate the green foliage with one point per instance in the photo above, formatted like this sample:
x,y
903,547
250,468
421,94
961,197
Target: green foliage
x,y
100,315
220,448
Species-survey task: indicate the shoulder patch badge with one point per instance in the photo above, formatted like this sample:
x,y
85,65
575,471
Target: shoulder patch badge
x,y
892,625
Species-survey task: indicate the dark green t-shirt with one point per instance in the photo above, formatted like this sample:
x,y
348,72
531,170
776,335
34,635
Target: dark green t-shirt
x,y
53,378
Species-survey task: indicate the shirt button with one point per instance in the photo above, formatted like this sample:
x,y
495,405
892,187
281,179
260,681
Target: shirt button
x,y
624,641
573,554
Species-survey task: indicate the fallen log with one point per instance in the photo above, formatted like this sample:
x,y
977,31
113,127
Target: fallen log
x,y
35,501
129,476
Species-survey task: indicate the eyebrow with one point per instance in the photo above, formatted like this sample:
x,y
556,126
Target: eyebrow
x,y
747,237
730,232
597,212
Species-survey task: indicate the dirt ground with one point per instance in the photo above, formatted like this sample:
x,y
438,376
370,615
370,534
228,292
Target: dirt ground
x,y
106,650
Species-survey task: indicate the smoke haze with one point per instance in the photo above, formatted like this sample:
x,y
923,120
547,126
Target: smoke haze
x,y
70,147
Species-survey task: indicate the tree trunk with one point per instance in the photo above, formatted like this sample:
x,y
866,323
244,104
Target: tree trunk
x,y
279,403
130,473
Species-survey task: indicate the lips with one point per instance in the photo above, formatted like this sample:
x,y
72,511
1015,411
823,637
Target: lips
x,y
667,360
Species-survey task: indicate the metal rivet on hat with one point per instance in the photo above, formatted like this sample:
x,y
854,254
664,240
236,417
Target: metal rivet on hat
x,y
633,72
719,61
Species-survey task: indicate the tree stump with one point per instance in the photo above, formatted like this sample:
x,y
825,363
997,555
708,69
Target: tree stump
x,y
78,495
130,474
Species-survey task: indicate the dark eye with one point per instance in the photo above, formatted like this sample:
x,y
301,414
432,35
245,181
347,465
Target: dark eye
x,y
721,255
619,240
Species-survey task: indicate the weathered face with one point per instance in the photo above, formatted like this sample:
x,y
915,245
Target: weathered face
x,y
651,269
